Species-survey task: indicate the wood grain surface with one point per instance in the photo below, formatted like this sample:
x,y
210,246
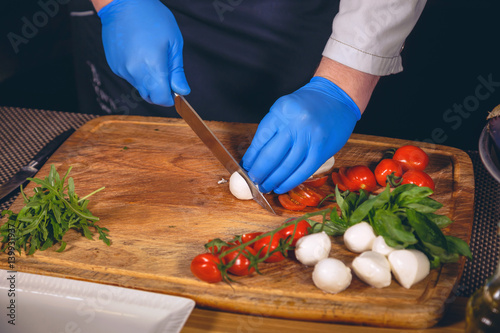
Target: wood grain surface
x,y
163,202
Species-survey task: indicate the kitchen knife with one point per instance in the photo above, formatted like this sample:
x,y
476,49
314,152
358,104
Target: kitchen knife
x,y
194,121
32,167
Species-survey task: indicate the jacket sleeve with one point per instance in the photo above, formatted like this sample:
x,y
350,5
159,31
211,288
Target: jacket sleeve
x,y
368,35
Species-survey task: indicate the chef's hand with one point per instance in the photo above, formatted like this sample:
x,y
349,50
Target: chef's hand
x,y
143,45
301,131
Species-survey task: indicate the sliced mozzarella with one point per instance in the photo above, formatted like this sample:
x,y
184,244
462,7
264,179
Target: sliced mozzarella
x,y
379,245
359,238
331,275
312,248
409,266
373,268
239,187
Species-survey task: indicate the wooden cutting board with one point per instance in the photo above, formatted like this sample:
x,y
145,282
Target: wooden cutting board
x,y
163,202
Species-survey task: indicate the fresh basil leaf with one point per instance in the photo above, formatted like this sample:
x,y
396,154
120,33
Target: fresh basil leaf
x,y
441,221
412,194
423,205
443,255
426,230
388,225
457,245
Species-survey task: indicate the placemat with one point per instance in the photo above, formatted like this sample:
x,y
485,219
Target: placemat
x,y
23,132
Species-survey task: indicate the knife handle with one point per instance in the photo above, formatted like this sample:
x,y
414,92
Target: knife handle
x,y
50,148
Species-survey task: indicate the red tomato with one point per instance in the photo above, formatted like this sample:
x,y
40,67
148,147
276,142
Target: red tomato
x,y
411,158
419,178
204,267
316,182
338,181
251,236
306,195
300,231
290,203
358,177
385,168
241,265
267,246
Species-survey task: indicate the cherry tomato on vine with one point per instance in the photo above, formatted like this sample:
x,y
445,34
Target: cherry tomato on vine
x,y
306,195
316,182
385,168
241,265
338,181
419,178
358,177
289,203
411,157
204,267
250,236
300,231
267,246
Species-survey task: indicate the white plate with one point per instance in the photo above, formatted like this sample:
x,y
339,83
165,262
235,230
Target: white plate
x,y
55,305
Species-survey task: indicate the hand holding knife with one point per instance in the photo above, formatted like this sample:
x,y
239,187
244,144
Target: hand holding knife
x,y
194,121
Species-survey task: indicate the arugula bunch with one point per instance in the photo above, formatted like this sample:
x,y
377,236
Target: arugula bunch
x,y
405,217
48,215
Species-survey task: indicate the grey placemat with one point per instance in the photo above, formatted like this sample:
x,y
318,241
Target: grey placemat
x,y
35,128
24,132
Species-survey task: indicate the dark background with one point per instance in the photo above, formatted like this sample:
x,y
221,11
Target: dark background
x,y
452,47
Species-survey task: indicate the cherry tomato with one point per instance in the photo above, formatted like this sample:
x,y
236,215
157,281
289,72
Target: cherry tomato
x,y
204,267
316,182
338,181
289,203
267,246
306,195
251,236
411,158
358,177
385,168
300,231
419,178
241,265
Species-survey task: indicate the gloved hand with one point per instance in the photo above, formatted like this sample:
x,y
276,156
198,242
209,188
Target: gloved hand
x,y
301,131
143,45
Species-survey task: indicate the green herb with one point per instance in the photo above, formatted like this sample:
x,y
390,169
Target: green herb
x,y
405,217
125,148
48,215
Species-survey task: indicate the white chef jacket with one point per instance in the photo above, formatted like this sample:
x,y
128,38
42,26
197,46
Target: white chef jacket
x,y
368,35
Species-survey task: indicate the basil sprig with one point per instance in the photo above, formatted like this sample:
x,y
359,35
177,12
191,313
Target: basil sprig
x,y
48,215
405,217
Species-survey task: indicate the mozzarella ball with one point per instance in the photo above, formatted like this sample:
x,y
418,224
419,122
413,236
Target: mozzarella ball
x,y
325,167
239,187
379,245
359,237
373,268
409,266
312,248
331,275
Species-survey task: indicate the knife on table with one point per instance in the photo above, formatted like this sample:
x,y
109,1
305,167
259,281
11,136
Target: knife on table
x,y
186,111
34,165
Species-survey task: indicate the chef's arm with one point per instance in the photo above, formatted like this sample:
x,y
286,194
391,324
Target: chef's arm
x,y
358,85
99,4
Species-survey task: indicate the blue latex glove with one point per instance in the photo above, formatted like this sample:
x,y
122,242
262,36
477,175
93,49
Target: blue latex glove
x,y
143,45
301,131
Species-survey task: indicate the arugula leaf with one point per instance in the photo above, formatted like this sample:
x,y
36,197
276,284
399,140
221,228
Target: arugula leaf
x,y
48,215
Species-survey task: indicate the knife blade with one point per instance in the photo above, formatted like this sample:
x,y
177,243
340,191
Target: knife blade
x,y
191,117
34,165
